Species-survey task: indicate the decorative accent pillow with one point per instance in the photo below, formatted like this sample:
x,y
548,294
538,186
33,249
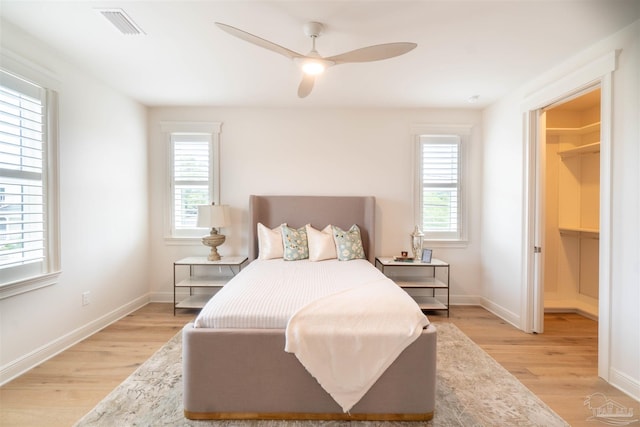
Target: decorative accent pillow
x,y
348,243
321,243
295,243
270,242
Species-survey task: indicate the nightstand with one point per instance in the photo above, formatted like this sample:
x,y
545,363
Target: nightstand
x,y
203,274
420,275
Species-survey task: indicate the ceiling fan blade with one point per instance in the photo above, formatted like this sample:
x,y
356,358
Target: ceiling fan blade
x,y
306,85
258,41
374,53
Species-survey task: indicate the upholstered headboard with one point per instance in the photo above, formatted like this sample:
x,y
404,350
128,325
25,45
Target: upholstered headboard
x,y
319,211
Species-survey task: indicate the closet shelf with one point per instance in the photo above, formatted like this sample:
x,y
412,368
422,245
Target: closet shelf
x,y
592,127
583,149
578,229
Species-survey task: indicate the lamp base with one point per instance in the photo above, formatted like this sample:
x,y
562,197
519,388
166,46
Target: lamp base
x,y
213,240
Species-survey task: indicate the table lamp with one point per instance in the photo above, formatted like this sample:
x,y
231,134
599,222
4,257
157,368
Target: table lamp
x,y
214,216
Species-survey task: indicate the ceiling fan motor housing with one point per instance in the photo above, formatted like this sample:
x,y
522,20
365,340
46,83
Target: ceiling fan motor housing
x,y
313,29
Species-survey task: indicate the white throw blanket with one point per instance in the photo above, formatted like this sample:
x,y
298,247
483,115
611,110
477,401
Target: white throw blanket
x,y
348,339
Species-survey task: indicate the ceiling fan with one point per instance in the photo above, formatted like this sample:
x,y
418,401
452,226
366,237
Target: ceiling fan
x,y
313,63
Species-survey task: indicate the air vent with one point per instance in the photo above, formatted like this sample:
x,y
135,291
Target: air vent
x,y
121,21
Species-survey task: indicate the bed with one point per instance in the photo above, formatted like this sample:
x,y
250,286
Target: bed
x,y
244,373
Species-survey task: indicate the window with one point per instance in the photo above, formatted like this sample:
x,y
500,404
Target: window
x,y
28,220
440,205
193,174
191,171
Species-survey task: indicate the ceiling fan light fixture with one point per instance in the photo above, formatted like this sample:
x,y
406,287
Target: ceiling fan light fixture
x,y
313,67
313,64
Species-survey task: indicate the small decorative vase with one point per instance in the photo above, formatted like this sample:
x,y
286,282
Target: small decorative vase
x,y
416,242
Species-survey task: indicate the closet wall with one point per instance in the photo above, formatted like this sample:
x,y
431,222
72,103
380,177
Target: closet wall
x,y
572,205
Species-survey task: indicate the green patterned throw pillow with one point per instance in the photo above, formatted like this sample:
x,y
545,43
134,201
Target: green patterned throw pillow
x,y
348,243
295,243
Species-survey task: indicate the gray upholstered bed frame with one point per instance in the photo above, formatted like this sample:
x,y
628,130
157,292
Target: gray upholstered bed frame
x,y
246,374
318,211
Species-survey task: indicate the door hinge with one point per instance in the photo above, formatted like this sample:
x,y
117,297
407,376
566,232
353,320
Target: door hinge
x,y
537,250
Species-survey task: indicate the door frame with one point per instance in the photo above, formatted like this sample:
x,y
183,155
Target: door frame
x,y
598,72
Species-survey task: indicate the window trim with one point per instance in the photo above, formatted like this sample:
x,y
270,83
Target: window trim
x,y
49,277
463,132
169,128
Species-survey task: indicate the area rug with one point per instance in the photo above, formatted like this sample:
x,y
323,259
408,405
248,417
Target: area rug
x,y
472,389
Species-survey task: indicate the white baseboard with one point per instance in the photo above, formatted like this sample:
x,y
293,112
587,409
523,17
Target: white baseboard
x,y
29,361
625,383
501,312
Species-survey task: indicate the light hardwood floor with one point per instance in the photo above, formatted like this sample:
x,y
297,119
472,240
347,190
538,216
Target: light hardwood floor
x,y
560,366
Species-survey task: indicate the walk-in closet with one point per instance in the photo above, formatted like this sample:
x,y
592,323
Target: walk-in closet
x,y
572,205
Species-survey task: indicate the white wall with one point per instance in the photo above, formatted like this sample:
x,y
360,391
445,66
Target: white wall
x,y
316,152
625,267
503,214
103,216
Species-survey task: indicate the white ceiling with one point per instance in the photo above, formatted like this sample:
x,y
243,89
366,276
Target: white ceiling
x,y
465,48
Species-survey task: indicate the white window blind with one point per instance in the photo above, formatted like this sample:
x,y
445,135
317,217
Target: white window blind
x,y
22,174
439,165
192,176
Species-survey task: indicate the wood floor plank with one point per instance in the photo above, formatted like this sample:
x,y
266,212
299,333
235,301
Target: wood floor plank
x,y
67,386
559,366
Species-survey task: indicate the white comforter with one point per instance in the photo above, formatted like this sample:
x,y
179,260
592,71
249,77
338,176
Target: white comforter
x,y
266,293
345,321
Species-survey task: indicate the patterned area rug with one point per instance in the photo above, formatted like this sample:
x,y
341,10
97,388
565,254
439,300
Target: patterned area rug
x,y
472,389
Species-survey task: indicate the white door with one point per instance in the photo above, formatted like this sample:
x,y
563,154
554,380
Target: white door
x,y
537,297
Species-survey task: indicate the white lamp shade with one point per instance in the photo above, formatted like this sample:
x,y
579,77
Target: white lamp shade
x,y
213,216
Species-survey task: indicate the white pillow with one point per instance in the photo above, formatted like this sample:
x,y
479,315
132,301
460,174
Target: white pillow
x,y
270,242
321,243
